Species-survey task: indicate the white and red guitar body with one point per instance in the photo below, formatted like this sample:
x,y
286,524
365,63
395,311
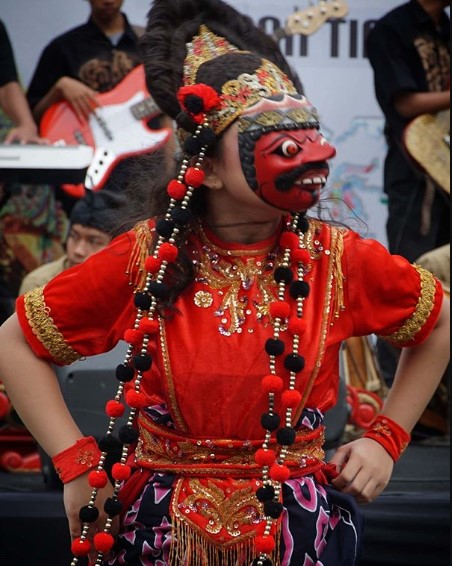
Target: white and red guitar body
x,y
116,129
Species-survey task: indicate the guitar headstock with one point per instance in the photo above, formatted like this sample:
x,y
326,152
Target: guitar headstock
x,y
308,21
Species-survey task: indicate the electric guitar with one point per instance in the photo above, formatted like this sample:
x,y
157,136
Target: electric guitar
x,y
117,128
310,20
427,141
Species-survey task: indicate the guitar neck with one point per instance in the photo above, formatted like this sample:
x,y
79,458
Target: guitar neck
x,y
145,109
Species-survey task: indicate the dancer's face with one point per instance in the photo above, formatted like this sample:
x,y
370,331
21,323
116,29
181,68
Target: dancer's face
x,y
289,166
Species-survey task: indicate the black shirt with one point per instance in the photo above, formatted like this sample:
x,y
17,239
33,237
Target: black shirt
x,y
408,54
8,71
87,54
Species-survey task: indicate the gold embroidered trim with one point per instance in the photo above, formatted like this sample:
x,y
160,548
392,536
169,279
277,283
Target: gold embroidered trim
x,y
136,266
42,325
422,312
335,247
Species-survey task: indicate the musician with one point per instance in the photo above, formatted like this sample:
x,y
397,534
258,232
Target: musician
x,y
12,97
93,222
409,51
88,59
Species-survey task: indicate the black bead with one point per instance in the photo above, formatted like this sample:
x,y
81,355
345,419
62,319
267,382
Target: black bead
x,y
264,562
142,301
192,145
265,493
88,514
124,373
142,362
286,436
128,434
207,137
186,122
164,228
109,444
181,216
303,224
112,506
299,289
159,290
270,422
294,362
194,103
283,274
273,509
274,347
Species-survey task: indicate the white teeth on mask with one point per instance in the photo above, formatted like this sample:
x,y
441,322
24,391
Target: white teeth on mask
x,y
313,181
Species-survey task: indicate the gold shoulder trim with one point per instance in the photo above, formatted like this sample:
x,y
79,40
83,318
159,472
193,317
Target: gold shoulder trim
x,y
140,251
422,312
42,325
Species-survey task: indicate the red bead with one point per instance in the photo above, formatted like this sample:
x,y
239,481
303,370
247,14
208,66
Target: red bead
x,y
176,189
272,384
265,544
289,240
194,177
120,472
133,336
297,326
280,309
80,547
168,252
114,408
103,542
279,473
136,399
98,478
265,457
148,326
291,399
152,264
301,256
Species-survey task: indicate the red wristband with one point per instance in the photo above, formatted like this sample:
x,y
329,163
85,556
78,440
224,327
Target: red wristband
x,y
79,458
389,434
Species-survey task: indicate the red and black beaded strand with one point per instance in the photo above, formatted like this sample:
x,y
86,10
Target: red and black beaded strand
x,y
275,472
137,359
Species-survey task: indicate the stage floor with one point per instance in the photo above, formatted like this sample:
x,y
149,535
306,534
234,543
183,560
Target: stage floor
x,y
408,525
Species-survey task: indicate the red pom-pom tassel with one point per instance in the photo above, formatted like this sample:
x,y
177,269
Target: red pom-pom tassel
x,y
289,240
291,399
279,473
297,326
265,457
301,255
149,326
265,544
152,264
176,189
272,384
114,408
103,542
121,472
280,309
168,252
80,547
133,336
136,399
98,478
194,177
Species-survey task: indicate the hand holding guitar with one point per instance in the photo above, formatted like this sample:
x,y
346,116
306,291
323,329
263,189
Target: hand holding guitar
x,y
82,98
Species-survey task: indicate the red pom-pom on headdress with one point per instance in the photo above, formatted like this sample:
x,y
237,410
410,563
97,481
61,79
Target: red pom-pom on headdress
x,y
198,99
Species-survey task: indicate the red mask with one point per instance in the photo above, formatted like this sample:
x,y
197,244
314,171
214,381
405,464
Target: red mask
x,y
290,165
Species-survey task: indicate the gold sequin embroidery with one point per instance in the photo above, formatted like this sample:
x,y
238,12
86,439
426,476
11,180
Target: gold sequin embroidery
x,y
43,326
421,313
